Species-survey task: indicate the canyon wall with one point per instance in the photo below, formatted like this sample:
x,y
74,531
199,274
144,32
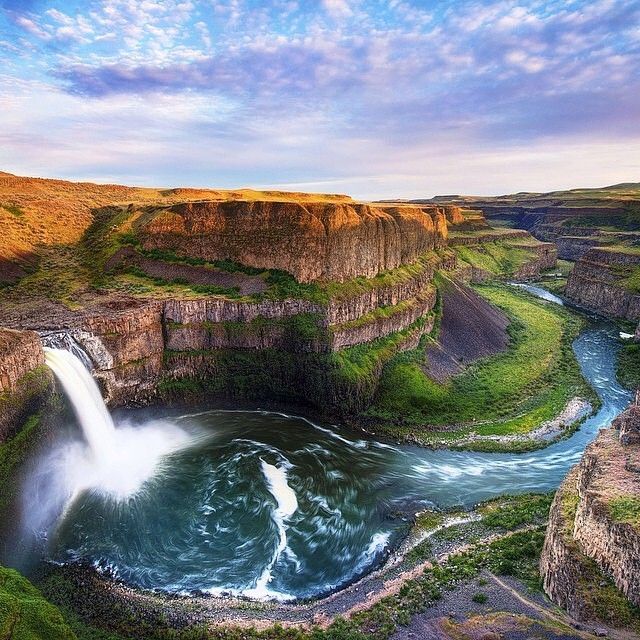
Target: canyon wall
x,y
311,240
219,347
602,280
23,378
544,257
593,536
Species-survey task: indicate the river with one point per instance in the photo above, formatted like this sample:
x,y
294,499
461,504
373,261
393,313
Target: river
x,y
275,506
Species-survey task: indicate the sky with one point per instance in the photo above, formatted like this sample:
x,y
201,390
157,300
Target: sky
x,y
402,98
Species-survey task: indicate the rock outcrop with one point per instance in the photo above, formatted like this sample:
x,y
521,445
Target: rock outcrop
x,y
600,282
311,240
23,378
37,212
544,256
20,353
127,346
470,329
628,424
594,526
145,348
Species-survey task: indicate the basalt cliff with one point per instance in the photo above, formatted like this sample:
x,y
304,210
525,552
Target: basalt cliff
x,y
185,295
311,241
604,279
598,229
591,555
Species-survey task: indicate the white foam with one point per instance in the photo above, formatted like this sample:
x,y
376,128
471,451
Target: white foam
x,y
287,502
378,543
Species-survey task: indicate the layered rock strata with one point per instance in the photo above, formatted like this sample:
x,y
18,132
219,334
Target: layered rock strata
x,y
144,348
312,240
599,281
594,530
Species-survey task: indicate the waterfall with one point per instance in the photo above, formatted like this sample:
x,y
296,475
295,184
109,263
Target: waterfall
x,y
65,341
85,396
119,459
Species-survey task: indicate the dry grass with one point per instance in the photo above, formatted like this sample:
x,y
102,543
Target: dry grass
x,y
57,212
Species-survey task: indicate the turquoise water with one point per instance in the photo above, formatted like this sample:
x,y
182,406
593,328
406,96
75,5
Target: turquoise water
x,y
276,506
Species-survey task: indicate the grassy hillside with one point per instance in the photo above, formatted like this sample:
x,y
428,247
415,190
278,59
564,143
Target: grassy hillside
x,y
508,393
37,213
25,614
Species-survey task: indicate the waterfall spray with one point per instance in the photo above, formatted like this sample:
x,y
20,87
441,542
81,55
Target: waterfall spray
x,y
118,460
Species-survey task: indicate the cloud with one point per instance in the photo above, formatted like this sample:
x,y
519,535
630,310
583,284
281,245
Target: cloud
x,y
334,90
337,8
31,27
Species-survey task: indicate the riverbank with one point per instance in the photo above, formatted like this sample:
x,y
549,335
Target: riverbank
x,y
518,400
455,575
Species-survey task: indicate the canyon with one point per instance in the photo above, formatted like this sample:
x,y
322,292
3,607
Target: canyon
x,y
598,229
358,312
233,295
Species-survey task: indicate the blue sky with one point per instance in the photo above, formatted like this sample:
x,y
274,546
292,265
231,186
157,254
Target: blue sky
x,y
377,99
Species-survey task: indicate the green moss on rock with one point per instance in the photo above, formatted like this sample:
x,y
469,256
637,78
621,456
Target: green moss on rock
x,y
25,614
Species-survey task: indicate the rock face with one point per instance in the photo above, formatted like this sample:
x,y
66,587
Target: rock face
x,y
470,329
312,240
453,214
23,379
545,256
20,353
36,212
597,282
143,350
628,424
127,346
591,532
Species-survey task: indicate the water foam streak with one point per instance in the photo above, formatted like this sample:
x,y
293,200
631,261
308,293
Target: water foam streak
x,y
84,395
277,482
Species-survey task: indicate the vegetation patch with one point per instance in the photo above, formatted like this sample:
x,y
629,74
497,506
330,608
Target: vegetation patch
x,y
605,602
514,511
626,509
13,453
363,361
25,614
497,258
508,393
13,209
628,365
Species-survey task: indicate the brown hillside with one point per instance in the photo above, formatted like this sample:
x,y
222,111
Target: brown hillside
x,y
36,212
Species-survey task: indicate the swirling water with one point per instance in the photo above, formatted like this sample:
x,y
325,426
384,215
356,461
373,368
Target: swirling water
x,y
276,506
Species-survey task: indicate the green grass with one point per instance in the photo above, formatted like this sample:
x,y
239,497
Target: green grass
x,y
15,450
627,276
508,393
361,285
361,361
13,453
13,209
626,509
497,258
480,597
25,614
428,520
59,276
377,314
514,511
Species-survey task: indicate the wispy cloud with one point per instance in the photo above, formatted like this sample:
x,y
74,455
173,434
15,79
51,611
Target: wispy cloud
x,y
383,84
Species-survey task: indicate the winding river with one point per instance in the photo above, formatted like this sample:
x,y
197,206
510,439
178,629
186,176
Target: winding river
x,y
275,506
